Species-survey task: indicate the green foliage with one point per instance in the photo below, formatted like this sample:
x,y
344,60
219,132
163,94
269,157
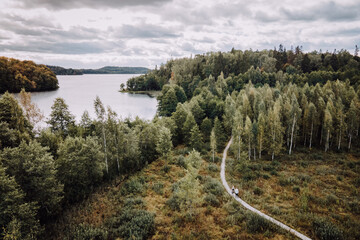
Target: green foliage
x,y
164,144
326,230
213,186
170,96
80,166
133,186
61,120
257,224
18,217
158,187
87,232
219,135
35,171
196,141
212,200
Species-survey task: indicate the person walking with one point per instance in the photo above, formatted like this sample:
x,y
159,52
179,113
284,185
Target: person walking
x,y
233,190
236,192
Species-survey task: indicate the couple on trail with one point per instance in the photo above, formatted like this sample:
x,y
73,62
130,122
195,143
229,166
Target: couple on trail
x,y
235,190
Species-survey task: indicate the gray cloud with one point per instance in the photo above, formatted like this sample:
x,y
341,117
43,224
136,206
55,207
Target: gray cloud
x,y
74,4
145,31
330,11
61,47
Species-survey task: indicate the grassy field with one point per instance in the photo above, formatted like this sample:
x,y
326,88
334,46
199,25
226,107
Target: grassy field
x,y
314,192
157,203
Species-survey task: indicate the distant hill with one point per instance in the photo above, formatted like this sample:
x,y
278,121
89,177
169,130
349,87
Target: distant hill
x,y
104,70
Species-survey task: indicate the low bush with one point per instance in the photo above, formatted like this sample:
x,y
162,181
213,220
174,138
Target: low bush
x,y
257,224
180,161
213,186
158,187
326,230
258,191
213,168
212,200
132,186
296,189
134,203
85,231
166,168
132,224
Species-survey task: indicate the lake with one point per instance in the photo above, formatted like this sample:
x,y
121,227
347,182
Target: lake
x,y
80,91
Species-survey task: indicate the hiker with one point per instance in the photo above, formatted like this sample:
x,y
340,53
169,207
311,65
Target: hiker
x,y
232,190
236,192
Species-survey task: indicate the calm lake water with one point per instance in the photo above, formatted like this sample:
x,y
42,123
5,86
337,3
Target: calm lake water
x,y
80,92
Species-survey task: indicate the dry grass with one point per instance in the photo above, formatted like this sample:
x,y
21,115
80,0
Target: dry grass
x,y
305,188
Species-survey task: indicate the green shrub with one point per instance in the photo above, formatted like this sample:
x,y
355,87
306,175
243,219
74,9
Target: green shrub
x,y
174,202
331,199
134,203
274,173
166,168
265,176
296,189
87,232
180,161
268,167
257,224
354,207
212,200
158,188
213,168
326,230
213,186
132,186
258,191
132,224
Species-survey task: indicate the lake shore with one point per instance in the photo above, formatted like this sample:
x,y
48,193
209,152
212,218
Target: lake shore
x,y
150,93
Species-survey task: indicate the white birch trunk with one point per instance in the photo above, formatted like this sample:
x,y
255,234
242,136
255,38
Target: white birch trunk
x,y
292,133
105,150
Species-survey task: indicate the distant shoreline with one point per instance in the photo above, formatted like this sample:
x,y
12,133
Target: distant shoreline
x,y
104,70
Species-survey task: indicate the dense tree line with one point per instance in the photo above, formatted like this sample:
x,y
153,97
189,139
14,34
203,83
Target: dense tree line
x,y
259,67
16,74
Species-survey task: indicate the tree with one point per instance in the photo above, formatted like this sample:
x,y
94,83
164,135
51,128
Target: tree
x,y
328,121
275,132
197,111
101,115
238,132
305,64
31,110
188,125
35,171
17,126
213,144
86,125
14,210
353,120
248,134
295,114
61,120
164,144
313,117
79,167
196,141
219,134
206,128
179,117
261,132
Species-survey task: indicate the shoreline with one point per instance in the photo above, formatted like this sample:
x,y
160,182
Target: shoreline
x,y
150,93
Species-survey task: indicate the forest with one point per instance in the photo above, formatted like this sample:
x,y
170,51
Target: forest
x,y
294,118
16,74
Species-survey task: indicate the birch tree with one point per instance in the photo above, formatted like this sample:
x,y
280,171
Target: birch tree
x,y
213,144
295,114
101,116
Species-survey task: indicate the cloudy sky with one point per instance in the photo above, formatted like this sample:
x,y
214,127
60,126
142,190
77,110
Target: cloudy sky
x,y
95,33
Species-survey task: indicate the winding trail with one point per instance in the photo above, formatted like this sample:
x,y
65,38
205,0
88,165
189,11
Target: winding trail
x,y
247,206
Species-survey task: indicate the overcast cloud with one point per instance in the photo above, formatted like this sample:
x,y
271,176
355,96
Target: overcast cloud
x,y
94,33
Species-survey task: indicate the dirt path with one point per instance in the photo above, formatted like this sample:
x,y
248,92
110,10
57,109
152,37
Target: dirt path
x,y
283,226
